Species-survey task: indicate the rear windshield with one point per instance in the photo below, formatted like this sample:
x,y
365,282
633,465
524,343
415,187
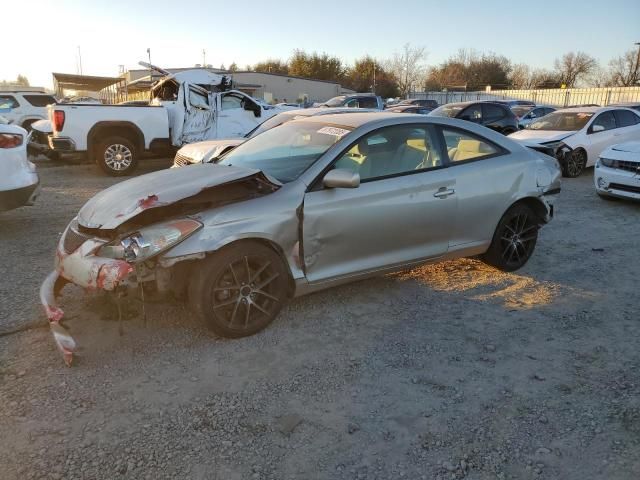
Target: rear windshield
x,y
449,110
40,100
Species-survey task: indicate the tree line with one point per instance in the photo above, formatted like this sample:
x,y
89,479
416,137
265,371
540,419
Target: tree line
x,y
406,71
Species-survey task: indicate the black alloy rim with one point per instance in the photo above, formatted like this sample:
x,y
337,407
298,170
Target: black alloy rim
x,y
518,239
245,293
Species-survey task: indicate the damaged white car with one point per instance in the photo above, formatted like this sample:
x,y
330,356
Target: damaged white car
x,y
18,178
313,203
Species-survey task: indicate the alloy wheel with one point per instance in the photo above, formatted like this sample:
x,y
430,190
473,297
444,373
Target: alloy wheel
x,y
245,293
518,239
575,163
118,157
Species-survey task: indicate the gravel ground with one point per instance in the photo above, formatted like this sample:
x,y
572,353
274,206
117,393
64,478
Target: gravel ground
x,y
446,371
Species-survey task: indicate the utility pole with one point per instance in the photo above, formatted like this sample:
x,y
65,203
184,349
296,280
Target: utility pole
x,y
204,58
374,77
79,60
637,69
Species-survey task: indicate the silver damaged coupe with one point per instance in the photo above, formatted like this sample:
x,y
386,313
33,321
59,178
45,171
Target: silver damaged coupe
x,y
310,204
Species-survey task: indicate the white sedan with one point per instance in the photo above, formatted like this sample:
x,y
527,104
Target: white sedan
x,y
578,135
18,177
617,172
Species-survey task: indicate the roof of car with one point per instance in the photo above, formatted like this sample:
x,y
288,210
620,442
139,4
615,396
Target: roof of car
x,y
355,120
310,112
585,109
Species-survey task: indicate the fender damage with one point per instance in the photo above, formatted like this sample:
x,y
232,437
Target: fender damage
x,y
121,210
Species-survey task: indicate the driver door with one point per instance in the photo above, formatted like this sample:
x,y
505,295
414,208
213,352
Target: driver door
x,y
402,212
196,119
237,115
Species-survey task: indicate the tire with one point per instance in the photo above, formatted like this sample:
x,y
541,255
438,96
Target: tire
x,y
53,155
116,156
239,290
574,163
514,239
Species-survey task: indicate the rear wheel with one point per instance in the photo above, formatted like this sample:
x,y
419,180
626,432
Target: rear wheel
x,y
116,156
574,163
514,239
240,290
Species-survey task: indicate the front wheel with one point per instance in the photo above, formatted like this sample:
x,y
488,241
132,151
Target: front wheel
x,y
240,290
514,239
116,156
574,163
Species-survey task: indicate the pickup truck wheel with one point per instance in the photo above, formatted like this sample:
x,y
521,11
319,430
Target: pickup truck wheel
x,y
116,156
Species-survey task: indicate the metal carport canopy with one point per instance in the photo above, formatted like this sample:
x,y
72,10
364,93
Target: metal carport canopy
x,y
84,82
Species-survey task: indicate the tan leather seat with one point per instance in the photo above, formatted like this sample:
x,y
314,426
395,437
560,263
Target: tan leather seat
x,y
469,149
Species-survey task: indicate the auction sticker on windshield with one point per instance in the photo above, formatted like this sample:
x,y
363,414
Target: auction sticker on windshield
x,y
335,131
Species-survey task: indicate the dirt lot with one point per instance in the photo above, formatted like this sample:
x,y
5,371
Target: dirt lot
x,y
446,371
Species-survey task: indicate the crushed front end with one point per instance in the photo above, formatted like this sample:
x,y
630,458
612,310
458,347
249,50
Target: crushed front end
x,y
108,264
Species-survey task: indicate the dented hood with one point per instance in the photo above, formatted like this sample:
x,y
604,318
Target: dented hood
x,y
116,205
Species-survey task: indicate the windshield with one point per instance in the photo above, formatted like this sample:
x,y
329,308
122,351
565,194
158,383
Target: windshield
x,y
287,151
562,121
270,123
335,101
450,110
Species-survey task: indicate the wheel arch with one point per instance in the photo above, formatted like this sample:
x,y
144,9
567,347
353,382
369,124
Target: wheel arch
x,y
537,205
267,242
128,130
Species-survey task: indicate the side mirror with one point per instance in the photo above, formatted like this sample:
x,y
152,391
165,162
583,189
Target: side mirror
x,y
597,128
253,107
341,178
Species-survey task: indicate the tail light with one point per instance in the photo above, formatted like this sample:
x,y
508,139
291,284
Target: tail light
x,y
58,120
10,140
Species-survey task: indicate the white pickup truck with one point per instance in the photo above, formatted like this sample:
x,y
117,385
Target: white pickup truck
x,y
186,107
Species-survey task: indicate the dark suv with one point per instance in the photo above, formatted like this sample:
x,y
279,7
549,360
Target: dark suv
x,y
430,103
356,100
494,115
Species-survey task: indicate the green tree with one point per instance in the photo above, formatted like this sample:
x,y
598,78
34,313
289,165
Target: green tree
x,y
473,71
314,65
272,66
368,75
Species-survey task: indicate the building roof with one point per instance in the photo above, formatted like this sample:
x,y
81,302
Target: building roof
x,y
84,82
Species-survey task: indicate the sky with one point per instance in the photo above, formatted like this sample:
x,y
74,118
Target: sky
x,y
111,33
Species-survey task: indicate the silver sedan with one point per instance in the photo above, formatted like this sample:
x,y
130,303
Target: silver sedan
x,y
305,206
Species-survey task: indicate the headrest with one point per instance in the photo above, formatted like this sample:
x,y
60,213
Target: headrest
x,y
363,147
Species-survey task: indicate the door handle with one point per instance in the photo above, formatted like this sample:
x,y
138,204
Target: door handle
x,y
444,192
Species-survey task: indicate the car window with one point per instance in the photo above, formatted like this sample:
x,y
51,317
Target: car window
x,y
353,103
473,112
548,111
392,151
463,146
7,102
368,102
491,112
199,100
230,102
606,120
39,100
625,118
